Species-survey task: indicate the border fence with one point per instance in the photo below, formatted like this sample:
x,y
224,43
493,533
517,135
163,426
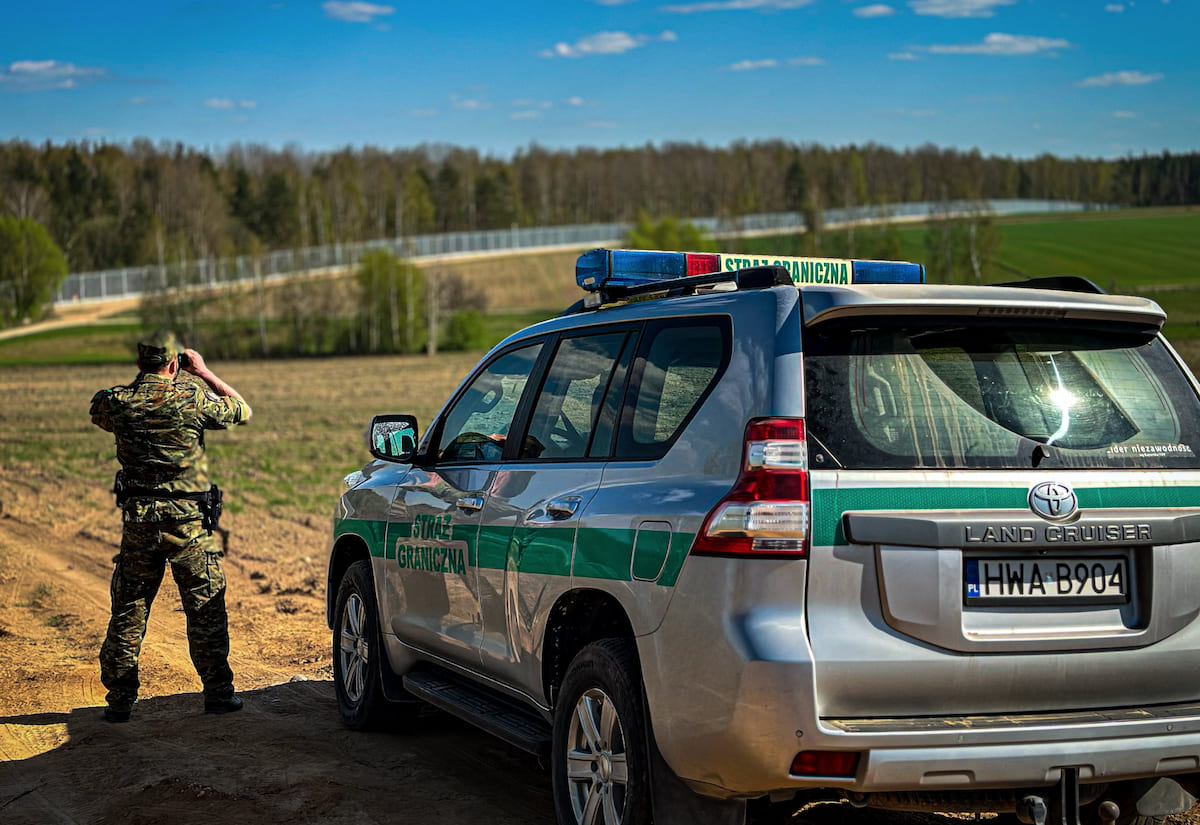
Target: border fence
x,y
132,282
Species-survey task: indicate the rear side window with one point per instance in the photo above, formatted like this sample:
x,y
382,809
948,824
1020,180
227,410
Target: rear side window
x,y
677,366
986,396
568,406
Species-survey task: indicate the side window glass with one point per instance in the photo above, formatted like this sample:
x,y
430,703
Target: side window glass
x,y
610,412
477,426
568,405
682,363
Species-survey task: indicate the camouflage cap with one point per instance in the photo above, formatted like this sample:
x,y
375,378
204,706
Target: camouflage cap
x,y
158,349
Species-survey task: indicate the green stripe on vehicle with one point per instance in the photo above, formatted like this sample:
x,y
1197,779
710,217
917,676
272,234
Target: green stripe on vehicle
x,y
599,553
604,553
371,531
830,504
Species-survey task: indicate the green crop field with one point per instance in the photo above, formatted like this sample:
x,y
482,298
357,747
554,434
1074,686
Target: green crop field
x,y
1151,252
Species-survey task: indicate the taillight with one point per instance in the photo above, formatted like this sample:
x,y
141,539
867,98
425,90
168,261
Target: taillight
x,y
766,513
825,763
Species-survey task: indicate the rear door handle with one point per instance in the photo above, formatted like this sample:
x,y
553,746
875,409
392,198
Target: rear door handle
x,y
470,504
561,509
554,510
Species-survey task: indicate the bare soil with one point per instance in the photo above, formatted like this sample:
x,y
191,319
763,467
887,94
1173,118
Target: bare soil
x,y
286,757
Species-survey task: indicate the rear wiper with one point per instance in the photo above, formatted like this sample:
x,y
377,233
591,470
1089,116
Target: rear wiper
x,y
1040,453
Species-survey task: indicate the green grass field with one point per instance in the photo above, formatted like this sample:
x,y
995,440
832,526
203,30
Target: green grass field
x,y
1151,252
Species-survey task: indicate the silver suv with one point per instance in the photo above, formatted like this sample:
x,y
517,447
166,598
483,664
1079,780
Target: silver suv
x,y
737,534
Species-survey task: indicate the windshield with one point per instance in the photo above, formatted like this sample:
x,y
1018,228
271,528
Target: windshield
x,y
969,396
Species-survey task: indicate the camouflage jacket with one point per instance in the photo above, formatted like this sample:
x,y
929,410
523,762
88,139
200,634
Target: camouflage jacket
x,y
159,425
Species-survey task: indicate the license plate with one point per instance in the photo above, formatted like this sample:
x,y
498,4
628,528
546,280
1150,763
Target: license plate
x,y
1067,581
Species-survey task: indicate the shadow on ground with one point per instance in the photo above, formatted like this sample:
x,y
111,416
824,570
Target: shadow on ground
x,y
285,758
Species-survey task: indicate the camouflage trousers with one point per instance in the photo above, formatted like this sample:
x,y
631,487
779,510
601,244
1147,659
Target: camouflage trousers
x,y
146,549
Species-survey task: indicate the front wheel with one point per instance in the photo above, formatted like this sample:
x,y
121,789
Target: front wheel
x,y
358,650
599,763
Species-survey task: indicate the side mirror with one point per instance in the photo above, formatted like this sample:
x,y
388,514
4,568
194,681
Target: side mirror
x,y
393,438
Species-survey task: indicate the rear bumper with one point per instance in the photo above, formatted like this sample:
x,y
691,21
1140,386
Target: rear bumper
x,y
1028,764
745,746
732,700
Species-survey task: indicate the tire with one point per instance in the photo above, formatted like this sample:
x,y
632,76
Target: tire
x,y
358,650
599,767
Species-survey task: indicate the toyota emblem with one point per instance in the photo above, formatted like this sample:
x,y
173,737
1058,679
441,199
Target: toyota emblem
x,y
1053,501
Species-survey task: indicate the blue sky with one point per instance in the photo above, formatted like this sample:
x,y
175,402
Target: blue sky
x,y
1095,78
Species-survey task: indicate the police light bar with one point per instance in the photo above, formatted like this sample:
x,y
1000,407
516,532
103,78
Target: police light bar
x,y
601,268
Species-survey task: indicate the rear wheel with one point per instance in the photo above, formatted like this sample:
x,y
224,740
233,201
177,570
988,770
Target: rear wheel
x,y
599,762
358,650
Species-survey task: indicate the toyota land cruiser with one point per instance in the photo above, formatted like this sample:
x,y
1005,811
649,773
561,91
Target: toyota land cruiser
x,y
792,529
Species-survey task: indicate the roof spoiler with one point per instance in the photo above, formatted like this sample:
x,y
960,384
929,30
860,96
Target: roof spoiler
x,y
1066,283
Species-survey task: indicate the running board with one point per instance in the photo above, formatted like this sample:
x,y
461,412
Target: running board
x,y
486,710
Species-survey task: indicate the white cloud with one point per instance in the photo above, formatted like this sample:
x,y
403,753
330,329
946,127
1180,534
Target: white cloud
x,y
576,101
37,75
806,61
423,112
1119,79
736,5
1124,114
469,104
607,43
226,103
1115,8
902,56
958,8
602,124
356,12
1004,45
751,65
614,2
874,10
528,114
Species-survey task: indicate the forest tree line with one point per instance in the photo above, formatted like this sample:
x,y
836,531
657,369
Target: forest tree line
x,y
109,205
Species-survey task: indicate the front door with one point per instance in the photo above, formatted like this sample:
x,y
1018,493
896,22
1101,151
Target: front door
x,y
433,529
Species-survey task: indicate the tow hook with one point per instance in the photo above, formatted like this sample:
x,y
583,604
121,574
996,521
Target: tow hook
x,y
1063,806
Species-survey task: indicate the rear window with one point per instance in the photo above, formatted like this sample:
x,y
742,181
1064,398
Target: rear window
x,y
981,396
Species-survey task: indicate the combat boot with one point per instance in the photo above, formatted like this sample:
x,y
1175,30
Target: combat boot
x,y
230,705
112,714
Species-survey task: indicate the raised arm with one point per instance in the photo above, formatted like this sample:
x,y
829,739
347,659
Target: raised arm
x,y
197,367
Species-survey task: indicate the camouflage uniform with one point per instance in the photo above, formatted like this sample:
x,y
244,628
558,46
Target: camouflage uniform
x,y
159,426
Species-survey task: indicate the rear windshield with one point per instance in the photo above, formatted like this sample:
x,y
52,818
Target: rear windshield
x,y
984,396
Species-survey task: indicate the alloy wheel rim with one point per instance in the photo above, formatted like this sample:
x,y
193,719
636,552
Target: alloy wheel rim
x,y
355,650
597,761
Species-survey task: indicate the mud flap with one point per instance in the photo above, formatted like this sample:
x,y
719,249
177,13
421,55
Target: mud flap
x,y
1161,797
674,803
